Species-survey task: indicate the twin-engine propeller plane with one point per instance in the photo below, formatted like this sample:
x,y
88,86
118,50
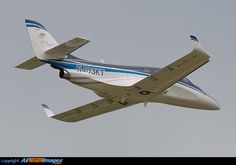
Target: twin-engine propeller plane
x,y
119,86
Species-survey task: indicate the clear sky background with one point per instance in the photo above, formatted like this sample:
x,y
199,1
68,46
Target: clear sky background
x,y
131,32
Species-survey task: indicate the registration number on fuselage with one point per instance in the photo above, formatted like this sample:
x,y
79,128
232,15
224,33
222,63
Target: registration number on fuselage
x,y
90,70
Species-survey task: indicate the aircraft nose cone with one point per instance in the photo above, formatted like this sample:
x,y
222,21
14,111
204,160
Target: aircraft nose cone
x,y
211,103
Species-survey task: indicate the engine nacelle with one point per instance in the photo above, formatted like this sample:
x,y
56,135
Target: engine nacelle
x,y
64,74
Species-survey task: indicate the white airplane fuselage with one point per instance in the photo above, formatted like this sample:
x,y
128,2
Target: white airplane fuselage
x,y
110,81
119,86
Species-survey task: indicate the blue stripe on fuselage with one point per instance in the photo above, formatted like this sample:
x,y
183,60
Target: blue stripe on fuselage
x,y
66,65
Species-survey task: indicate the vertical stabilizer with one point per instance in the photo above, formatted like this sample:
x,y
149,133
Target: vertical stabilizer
x,y
40,38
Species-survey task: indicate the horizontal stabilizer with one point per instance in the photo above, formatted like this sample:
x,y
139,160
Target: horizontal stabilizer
x,y
31,64
66,48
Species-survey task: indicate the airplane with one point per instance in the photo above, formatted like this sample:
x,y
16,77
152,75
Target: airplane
x,y
118,86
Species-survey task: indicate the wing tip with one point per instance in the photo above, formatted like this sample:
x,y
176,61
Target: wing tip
x,y
48,112
194,38
196,42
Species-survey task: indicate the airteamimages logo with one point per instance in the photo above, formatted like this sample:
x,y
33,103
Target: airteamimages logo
x,y
32,161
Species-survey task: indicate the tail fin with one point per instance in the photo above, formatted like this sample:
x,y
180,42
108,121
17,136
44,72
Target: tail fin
x,y
45,46
41,41
40,38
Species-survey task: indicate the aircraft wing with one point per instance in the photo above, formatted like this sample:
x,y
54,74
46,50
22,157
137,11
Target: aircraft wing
x,y
66,48
90,110
161,80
